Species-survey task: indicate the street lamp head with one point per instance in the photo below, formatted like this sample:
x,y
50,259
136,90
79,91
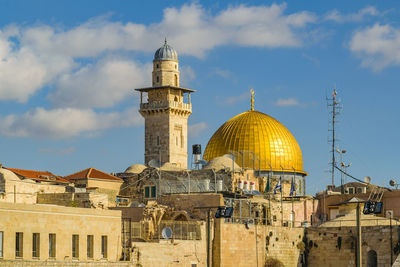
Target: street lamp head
x,y
340,151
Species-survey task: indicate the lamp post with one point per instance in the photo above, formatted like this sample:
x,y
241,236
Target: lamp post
x,y
269,193
281,197
293,215
341,152
345,169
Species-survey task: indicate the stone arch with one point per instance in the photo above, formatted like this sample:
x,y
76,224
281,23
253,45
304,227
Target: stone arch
x,y
372,258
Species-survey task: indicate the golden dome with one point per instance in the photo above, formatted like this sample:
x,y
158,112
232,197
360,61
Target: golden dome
x,y
254,133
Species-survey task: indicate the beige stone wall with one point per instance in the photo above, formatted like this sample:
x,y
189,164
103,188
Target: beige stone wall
x,y
167,73
189,203
81,200
64,222
236,245
25,191
333,247
171,129
172,252
178,138
36,263
104,184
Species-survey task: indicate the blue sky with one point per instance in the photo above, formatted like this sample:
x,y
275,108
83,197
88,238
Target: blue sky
x,y
68,70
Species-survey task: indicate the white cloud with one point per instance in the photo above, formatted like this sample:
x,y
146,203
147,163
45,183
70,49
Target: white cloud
x,y
196,129
22,71
36,56
314,60
187,75
336,16
54,151
100,85
231,100
288,102
64,123
223,73
378,46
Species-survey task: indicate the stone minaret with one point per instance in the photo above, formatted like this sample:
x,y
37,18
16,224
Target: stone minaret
x,y
166,108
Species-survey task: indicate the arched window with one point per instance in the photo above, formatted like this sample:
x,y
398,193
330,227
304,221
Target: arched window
x,y
157,66
176,99
158,140
372,259
176,66
176,80
158,79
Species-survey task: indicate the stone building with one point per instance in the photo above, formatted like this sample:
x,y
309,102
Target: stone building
x,y
166,109
329,199
23,186
44,235
164,214
97,182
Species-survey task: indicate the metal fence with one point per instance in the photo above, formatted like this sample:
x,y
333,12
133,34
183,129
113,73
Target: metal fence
x,y
173,184
181,230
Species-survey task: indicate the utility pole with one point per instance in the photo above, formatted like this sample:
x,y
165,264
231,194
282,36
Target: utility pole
x,y
333,104
359,238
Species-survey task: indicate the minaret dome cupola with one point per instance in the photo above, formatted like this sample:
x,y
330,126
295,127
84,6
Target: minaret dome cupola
x,y
166,52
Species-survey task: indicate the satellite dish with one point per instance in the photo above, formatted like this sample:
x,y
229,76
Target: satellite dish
x,y
166,233
202,162
232,157
155,163
249,223
367,179
134,204
392,182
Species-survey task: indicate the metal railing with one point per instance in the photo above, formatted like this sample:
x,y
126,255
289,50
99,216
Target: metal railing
x,y
166,104
181,230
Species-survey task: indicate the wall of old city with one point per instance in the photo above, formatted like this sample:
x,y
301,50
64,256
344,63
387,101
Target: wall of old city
x,y
324,245
238,245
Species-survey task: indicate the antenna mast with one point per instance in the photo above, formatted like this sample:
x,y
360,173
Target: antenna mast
x,y
334,110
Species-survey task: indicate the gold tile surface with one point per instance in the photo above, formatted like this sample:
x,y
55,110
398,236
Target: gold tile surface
x,y
257,140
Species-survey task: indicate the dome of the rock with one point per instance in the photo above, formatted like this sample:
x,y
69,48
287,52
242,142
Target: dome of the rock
x,y
257,141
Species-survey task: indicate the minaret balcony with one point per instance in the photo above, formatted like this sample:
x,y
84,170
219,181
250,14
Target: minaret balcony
x,y
166,105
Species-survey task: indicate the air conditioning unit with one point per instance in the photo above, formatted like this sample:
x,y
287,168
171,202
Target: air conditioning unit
x,y
330,187
389,214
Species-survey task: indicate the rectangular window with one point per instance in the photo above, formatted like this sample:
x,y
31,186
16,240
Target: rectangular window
x,y
153,192
90,246
147,192
104,246
351,190
150,191
75,246
35,245
1,243
52,245
19,240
